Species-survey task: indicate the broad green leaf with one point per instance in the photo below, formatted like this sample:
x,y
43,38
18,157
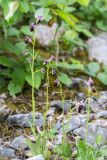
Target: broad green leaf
x,y
92,68
7,46
13,32
84,2
69,18
26,31
5,61
37,79
70,34
24,6
18,76
64,79
102,76
14,88
13,6
67,66
20,47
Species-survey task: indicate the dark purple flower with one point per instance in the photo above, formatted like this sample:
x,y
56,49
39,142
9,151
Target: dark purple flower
x,y
52,58
82,105
56,83
46,61
27,39
32,27
91,82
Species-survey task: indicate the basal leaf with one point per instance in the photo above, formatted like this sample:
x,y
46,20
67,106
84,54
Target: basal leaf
x,y
64,79
14,88
37,79
102,76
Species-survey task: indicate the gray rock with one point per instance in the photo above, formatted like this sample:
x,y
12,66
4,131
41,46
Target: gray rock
x,y
94,131
51,112
59,105
75,122
3,96
97,48
94,105
78,83
25,120
45,34
7,152
19,143
39,157
101,114
102,99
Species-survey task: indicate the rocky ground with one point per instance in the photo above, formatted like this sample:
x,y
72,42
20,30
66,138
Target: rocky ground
x,y
15,126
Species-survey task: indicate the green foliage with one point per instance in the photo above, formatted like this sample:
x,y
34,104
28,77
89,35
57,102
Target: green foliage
x,y
64,79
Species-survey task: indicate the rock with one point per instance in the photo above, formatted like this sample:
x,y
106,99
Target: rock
x,y
101,114
51,112
102,99
25,120
4,111
97,48
45,34
93,132
59,105
79,83
75,122
3,96
19,143
7,152
94,105
39,157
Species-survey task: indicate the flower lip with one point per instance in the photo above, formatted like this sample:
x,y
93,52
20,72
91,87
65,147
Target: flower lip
x,y
90,82
27,39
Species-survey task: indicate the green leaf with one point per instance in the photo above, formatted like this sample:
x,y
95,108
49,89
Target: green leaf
x,y
69,18
102,76
18,76
64,79
13,32
44,12
84,2
67,66
14,88
5,61
24,6
32,147
37,79
26,31
92,68
13,6
20,47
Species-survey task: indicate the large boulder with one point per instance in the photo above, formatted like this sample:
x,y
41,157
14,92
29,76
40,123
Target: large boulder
x,y
97,48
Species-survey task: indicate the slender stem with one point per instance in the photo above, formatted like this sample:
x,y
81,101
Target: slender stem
x,y
33,80
88,114
47,95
